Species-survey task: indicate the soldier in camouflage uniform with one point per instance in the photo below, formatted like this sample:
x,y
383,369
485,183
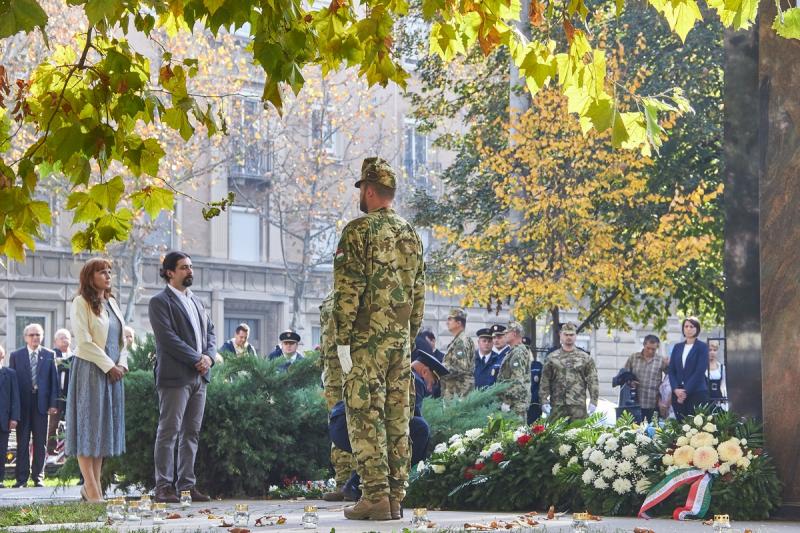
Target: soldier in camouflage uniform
x,y
567,374
516,369
378,304
459,359
342,461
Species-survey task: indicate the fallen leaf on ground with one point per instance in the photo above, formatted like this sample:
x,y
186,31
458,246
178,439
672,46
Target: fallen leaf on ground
x,y
214,517
708,522
430,525
642,530
204,511
239,530
173,516
595,517
281,520
551,513
225,524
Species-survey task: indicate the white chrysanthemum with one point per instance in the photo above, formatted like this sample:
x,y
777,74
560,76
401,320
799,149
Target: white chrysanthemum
x,y
458,451
743,442
693,431
641,438
438,469
564,449
456,444
642,461
621,485
730,451
572,460
556,468
698,420
273,488
602,439
588,476
724,468
473,433
744,463
711,428
611,444
455,438
597,457
440,448
485,453
624,468
629,451
682,441
701,439
571,434
686,427
705,457
683,455
642,486
668,460
600,483
609,464
495,447
585,453
607,473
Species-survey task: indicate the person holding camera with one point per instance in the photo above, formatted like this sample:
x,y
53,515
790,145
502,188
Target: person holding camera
x,y
649,369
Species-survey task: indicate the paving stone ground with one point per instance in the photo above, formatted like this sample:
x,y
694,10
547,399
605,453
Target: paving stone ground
x,y
331,518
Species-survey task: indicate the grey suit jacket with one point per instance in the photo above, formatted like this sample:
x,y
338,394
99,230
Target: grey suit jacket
x,y
176,354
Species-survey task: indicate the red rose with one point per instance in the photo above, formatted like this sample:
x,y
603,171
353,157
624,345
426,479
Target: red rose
x,y
497,457
523,439
468,474
538,428
479,466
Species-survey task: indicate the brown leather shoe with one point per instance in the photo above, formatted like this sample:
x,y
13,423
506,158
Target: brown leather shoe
x,y
166,494
395,508
367,510
334,496
198,496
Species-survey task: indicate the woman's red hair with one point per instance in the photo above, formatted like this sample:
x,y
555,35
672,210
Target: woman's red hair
x,y
86,286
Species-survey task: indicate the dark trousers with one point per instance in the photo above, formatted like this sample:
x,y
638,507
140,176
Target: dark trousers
x,y
693,400
649,413
33,422
534,412
180,418
3,451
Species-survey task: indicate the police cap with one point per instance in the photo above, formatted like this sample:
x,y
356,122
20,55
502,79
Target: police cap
x,y
289,335
377,170
497,330
431,362
484,332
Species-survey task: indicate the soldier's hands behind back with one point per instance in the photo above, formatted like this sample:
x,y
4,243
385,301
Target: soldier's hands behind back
x,y
343,352
505,407
592,408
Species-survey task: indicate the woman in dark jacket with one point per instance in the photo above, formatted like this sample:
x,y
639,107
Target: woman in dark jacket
x,y
687,371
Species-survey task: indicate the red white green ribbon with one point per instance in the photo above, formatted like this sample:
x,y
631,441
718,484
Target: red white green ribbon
x,y
698,501
664,488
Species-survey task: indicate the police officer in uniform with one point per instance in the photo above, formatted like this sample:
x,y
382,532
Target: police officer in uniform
x,y
566,377
288,340
378,306
500,345
487,362
535,409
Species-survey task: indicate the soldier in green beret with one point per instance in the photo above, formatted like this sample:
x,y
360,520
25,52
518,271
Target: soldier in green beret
x,y
567,375
459,358
378,304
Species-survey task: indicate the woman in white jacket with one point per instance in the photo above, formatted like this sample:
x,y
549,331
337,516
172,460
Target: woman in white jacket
x,y
95,418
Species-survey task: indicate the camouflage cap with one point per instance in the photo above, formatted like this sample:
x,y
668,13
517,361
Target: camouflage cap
x,y
569,327
457,313
516,327
377,170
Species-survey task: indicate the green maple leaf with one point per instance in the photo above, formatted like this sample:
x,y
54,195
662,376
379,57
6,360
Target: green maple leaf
x,y
97,10
108,194
153,200
21,15
787,24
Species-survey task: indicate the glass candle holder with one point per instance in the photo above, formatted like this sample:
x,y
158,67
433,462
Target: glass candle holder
x,y
722,523
241,514
119,508
145,505
186,498
580,523
310,517
159,513
420,519
133,514
111,510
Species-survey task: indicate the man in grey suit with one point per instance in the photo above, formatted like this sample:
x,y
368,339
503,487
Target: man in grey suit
x,y
185,348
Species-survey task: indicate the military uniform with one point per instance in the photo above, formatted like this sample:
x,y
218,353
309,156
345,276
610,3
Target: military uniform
x,y
460,361
566,377
378,305
342,461
516,369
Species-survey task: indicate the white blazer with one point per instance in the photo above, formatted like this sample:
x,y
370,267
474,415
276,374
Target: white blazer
x,y
91,333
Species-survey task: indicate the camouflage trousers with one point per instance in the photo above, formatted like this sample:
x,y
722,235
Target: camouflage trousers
x,y
343,462
377,398
570,412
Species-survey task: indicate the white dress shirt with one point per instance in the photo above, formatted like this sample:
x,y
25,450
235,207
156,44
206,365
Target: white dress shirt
x,y
194,315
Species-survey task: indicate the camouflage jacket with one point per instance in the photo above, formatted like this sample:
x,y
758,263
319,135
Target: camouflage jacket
x,y
460,361
378,282
328,357
516,369
566,377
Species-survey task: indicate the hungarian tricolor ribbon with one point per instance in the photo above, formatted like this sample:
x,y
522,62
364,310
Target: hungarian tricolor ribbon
x,y
699,493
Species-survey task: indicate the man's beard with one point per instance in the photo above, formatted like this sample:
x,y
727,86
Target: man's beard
x,y
187,281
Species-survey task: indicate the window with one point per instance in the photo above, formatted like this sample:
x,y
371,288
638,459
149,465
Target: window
x,y
415,154
251,147
322,132
255,331
244,238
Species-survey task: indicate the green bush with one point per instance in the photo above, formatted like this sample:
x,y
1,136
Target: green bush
x,y
260,427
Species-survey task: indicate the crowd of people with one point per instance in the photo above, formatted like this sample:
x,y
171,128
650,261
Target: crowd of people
x,y
378,367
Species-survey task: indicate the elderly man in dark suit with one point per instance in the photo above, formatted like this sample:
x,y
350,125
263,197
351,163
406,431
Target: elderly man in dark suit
x,y
9,406
185,349
38,394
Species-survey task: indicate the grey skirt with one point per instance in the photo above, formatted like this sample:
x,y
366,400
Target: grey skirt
x,y
95,417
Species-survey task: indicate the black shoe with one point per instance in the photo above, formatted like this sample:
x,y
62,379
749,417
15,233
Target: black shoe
x,y
18,485
38,484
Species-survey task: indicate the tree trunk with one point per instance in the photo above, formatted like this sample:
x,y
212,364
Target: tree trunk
x,y
555,316
136,282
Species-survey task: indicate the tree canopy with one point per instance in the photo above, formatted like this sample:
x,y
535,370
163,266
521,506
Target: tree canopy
x,y
86,102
